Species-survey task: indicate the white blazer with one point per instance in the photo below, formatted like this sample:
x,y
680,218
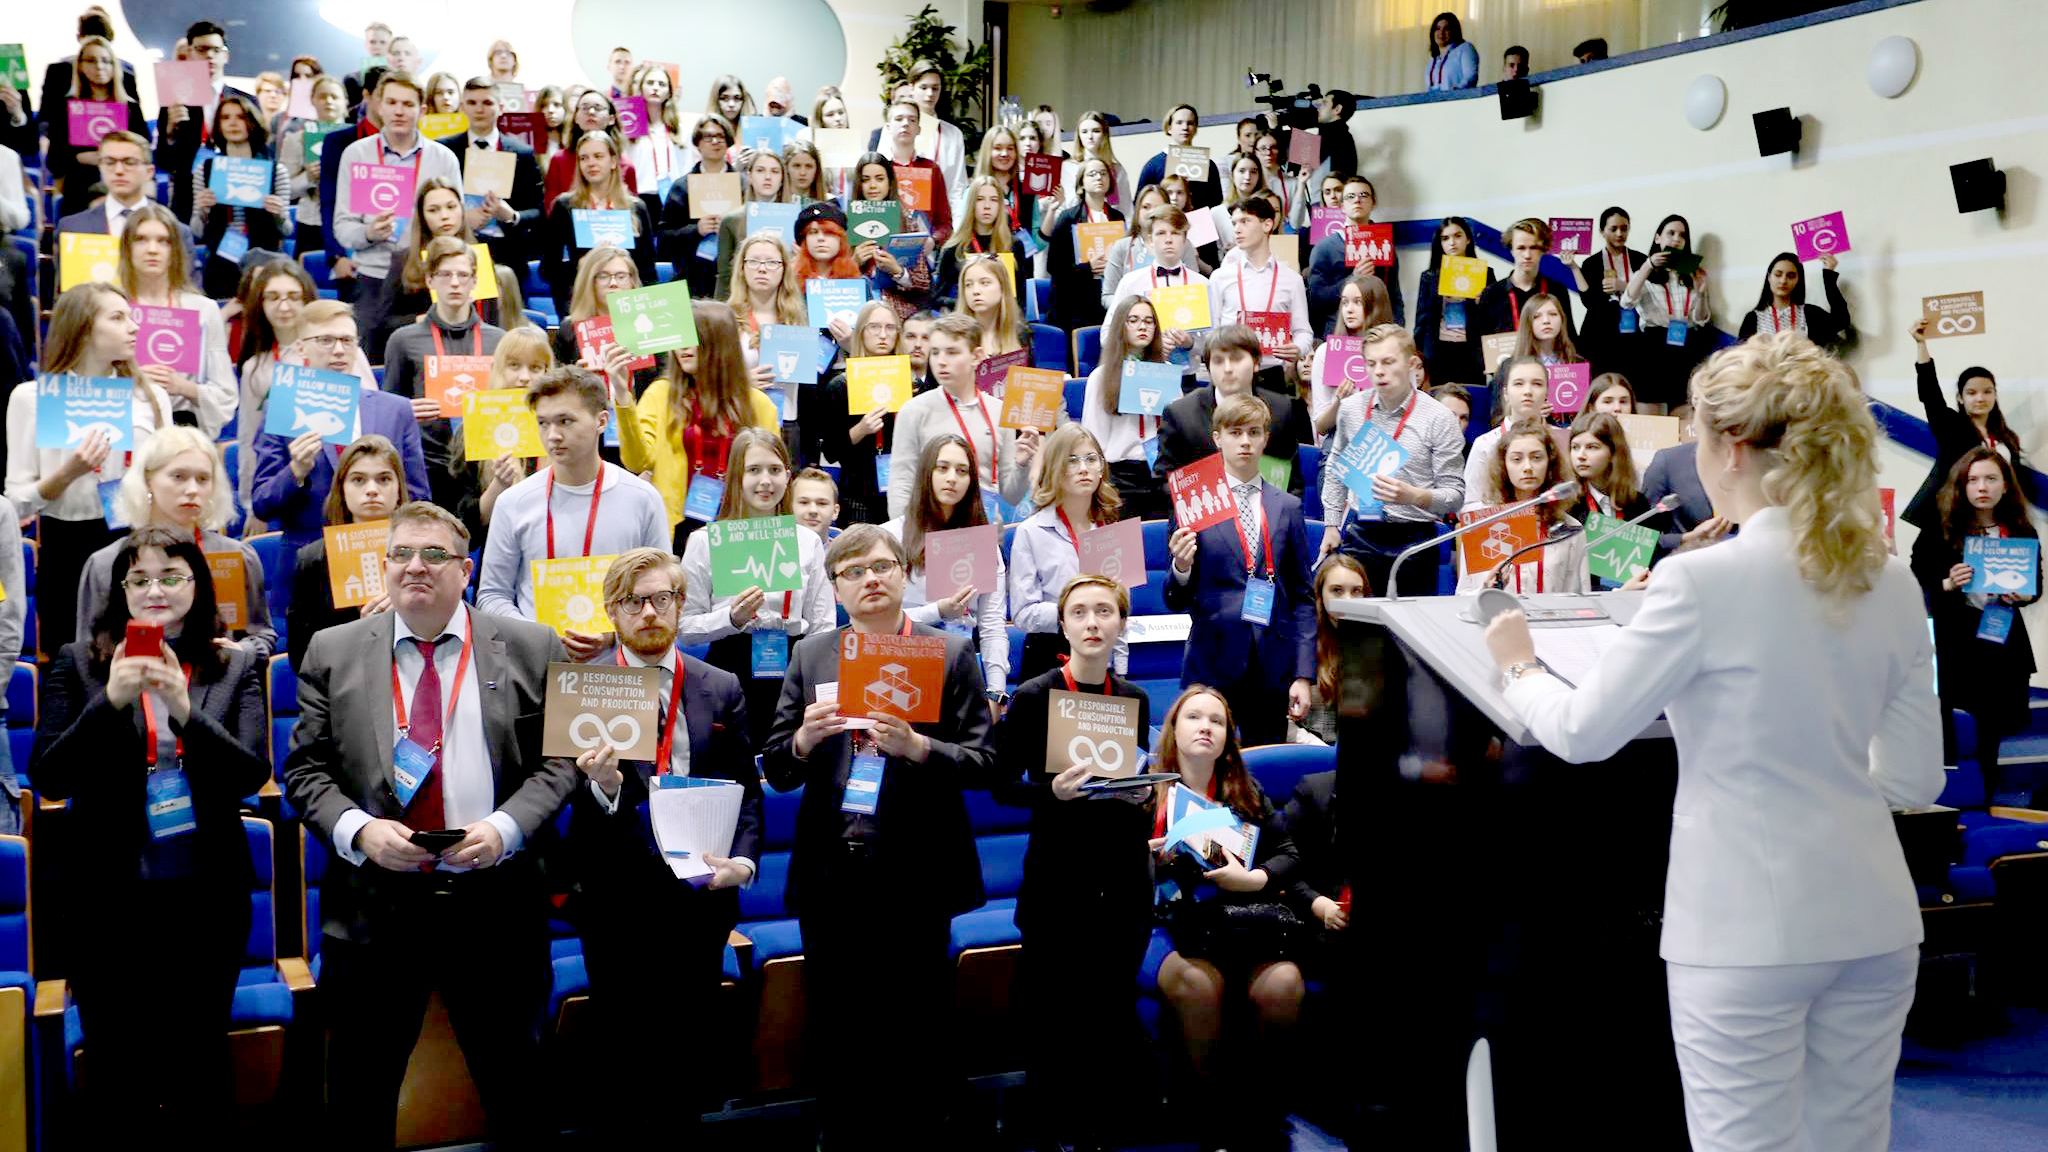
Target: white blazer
x,y
1795,738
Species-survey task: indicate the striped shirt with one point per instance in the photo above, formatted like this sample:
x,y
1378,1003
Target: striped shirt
x,y
1436,456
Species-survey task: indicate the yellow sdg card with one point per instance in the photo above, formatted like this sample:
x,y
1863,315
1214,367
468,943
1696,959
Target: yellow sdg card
x,y
1461,277
1183,308
568,595
496,421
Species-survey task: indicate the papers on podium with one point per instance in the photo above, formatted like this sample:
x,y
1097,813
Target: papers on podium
x,y
693,819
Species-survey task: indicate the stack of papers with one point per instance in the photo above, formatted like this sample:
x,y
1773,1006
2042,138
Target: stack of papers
x,y
693,819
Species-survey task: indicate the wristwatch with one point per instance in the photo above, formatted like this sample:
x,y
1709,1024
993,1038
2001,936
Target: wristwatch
x,y
997,697
1519,669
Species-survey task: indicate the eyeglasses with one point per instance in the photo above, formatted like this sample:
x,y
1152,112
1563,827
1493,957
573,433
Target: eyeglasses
x,y
169,583
1091,460
858,572
614,278
879,326
119,163
457,277
214,50
662,601
338,343
763,264
432,557
1355,197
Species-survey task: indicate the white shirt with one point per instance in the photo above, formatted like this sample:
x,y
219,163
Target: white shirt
x,y
1796,733
990,614
485,143
1141,281
468,778
352,223
1042,559
1288,294
28,464
705,617
630,514
117,215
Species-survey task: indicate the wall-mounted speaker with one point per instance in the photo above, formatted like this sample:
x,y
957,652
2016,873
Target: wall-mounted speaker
x,y
1777,131
1517,99
1979,185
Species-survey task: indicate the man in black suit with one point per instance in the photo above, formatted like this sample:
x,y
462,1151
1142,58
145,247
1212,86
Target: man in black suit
x,y
427,719
502,224
884,855
1673,470
181,130
1233,356
635,913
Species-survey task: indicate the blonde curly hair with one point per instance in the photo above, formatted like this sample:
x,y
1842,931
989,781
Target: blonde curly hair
x,y
1804,411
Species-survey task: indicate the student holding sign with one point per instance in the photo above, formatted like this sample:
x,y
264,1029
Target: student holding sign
x,y
60,480
1204,188
1076,273
1502,305
874,180
861,443
766,296
594,112
987,295
986,230
404,297
294,473
585,335
1604,332
155,272
1074,496
1982,651
1781,305
501,218
372,485
155,750
1232,357
1132,251
1975,421
689,232
1521,394
682,427
273,300
897,144
635,913
98,103
755,582
1114,407
1522,463
1329,263
523,356
1085,901
597,210
417,358
657,153
1605,469
1245,581
1199,743
763,180
1259,290
951,502
299,146
535,522
246,208
378,174
1338,370
882,812
1542,333
177,483
1673,311
1401,507
1002,456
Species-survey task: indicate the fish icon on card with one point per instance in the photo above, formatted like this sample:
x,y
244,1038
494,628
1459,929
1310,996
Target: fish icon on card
x,y
324,422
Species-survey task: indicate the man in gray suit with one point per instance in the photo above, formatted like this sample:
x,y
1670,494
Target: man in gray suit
x,y
416,759
877,873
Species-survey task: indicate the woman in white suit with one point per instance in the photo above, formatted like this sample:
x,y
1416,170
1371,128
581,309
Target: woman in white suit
x,y
1794,666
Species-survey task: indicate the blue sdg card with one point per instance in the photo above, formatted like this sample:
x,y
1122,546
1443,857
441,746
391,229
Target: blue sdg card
x,y
306,400
69,408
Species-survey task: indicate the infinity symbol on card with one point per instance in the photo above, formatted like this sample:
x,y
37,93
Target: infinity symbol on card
x,y
1106,756
622,732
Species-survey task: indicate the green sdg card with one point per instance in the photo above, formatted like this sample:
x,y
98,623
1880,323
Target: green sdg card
x,y
656,319
759,553
1621,555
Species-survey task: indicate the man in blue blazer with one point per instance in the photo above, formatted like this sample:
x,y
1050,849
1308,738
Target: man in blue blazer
x,y
636,915
501,224
1245,580
290,487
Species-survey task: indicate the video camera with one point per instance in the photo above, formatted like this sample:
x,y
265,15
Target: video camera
x,y
1296,111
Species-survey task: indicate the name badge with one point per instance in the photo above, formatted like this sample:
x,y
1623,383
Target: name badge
x,y
1452,327
771,654
864,786
1150,444
168,804
1996,623
108,490
232,247
1258,601
1674,333
1028,244
1628,322
410,767
882,471
706,493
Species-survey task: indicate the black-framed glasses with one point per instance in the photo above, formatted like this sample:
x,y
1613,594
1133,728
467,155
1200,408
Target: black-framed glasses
x,y
858,572
431,557
662,602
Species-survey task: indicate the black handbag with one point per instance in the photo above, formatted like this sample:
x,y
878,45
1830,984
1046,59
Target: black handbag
x,y
1238,935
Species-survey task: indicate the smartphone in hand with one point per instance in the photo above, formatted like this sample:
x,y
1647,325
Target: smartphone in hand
x,y
439,842
145,639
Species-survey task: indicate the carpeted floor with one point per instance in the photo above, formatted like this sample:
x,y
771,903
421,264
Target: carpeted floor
x,y
1984,1089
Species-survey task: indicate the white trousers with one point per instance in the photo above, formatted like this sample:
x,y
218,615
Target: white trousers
x,y
1794,1057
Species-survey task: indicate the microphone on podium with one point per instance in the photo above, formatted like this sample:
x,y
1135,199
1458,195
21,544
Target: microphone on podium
x,y
1566,491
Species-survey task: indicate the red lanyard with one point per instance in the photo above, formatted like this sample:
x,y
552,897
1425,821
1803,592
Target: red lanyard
x,y
697,444
1539,573
1674,314
398,693
1071,535
974,245
1159,817
1407,410
1067,671
995,447
666,745
1251,559
149,719
1776,324
1515,302
589,525
476,339
1272,292
1623,273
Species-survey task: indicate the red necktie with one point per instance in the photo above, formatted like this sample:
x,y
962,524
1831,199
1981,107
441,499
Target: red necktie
x,y
424,813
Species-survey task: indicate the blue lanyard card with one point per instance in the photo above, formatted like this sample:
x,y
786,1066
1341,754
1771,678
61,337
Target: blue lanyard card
x,y
410,767
706,493
1629,320
882,472
864,786
169,804
771,654
1258,600
1996,623
1674,333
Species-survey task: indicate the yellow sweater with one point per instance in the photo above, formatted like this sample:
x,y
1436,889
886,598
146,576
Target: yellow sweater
x,y
647,440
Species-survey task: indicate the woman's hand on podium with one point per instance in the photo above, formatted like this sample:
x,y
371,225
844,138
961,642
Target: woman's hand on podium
x,y
1507,637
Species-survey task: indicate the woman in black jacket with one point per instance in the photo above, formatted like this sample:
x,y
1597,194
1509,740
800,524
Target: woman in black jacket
x,y
371,484
1086,895
859,443
1447,330
1980,423
1077,284
1782,306
156,759
1982,653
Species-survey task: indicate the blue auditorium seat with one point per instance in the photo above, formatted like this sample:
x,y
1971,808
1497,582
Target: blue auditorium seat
x,y
1049,348
1087,349
1279,767
1038,297
277,577
1075,392
23,698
